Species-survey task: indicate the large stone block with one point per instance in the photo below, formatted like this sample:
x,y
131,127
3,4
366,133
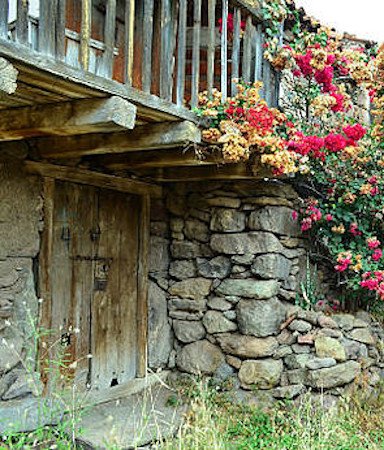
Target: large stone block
x,y
227,220
187,331
260,318
182,269
263,374
218,267
160,338
362,335
273,266
159,254
277,219
187,250
194,288
246,243
335,376
216,322
196,230
200,358
247,346
327,347
249,288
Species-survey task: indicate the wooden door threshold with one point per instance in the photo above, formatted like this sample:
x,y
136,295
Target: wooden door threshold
x,y
131,387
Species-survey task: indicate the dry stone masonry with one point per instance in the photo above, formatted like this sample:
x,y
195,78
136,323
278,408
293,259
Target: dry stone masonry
x,y
228,259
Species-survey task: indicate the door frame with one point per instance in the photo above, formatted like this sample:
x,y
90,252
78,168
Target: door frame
x,y
46,254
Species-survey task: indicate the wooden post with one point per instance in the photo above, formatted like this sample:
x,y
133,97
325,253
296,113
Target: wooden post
x,y
147,46
129,39
196,52
22,21
166,54
247,53
236,48
106,69
224,52
4,8
182,35
211,45
258,53
60,30
142,283
47,27
85,33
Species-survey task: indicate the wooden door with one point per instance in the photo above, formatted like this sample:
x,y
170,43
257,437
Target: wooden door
x,y
93,279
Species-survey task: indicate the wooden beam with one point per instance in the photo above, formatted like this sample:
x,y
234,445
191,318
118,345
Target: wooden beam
x,y
146,137
82,176
155,158
68,118
239,171
8,77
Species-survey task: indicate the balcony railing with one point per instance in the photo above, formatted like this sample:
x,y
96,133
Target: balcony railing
x,y
170,48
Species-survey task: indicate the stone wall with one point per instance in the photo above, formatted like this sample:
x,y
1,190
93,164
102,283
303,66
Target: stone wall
x,y
227,260
20,223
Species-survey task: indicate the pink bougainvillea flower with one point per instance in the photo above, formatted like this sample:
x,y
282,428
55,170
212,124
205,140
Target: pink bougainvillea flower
x,y
377,254
329,217
335,142
373,243
295,215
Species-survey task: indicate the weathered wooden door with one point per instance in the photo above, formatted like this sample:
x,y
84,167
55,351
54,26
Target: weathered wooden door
x,y
94,283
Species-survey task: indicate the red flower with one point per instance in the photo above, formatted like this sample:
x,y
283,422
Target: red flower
x,y
377,254
335,142
355,132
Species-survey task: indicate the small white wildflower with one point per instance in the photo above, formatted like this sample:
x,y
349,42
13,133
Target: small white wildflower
x,y
7,323
73,365
89,356
76,330
4,341
24,303
40,300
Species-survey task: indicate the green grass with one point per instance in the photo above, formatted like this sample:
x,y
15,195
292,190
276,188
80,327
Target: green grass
x,y
215,423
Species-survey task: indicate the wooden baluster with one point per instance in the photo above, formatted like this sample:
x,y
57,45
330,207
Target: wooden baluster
x,y
60,30
106,66
47,27
211,45
166,53
267,80
258,53
277,74
182,37
85,33
236,48
224,51
22,21
4,9
247,53
129,39
147,46
196,52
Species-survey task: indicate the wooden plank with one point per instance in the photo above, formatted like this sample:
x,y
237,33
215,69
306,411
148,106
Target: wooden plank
x,y
82,176
236,49
181,57
211,45
22,21
45,266
61,78
224,52
146,137
142,283
154,158
258,53
8,77
147,46
267,81
238,171
129,39
247,53
4,10
196,52
106,66
85,33
68,118
47,27
166,53
60,30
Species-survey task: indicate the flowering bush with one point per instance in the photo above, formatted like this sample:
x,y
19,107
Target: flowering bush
x,y
317,134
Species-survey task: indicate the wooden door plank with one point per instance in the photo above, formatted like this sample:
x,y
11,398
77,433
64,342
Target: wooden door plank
x,y
166,53
142,282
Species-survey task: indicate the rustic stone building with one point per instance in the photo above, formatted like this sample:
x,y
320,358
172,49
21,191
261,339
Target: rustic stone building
x,y
121,243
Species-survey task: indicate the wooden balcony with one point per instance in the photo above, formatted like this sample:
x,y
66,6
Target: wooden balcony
x,y
155,55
